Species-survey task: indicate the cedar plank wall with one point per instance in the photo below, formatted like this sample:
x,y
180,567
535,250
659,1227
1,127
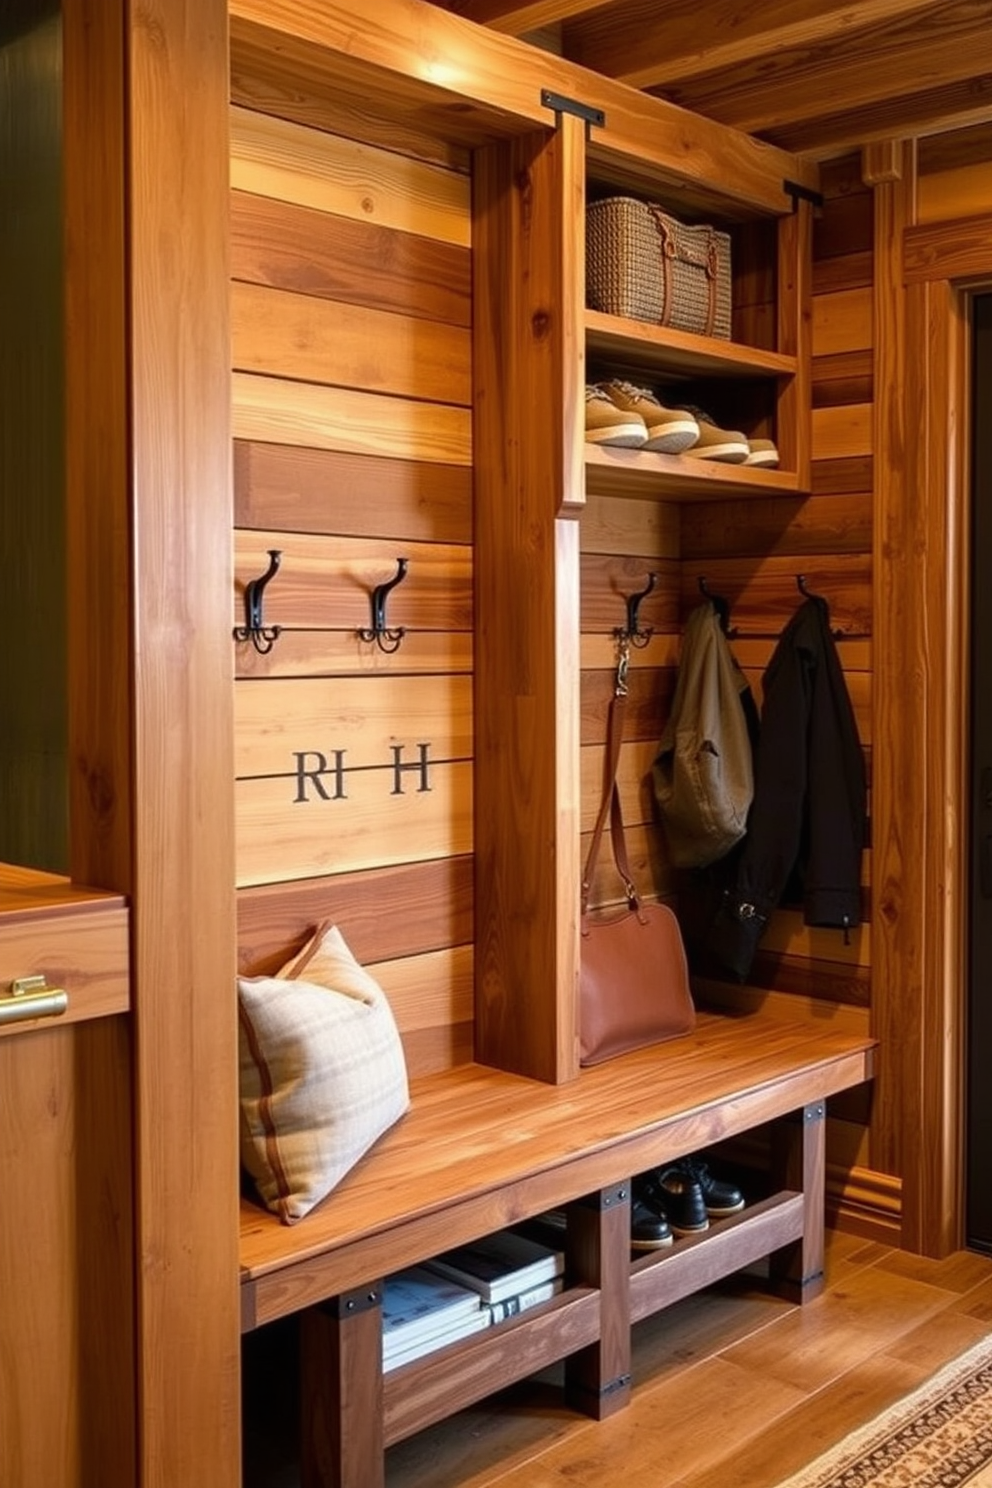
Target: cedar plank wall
x,y
751,552
351,330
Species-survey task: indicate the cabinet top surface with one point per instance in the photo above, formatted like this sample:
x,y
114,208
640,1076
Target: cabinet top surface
x,y
26,891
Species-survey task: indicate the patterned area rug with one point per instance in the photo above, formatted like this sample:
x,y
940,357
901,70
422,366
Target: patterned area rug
x,y
938,1437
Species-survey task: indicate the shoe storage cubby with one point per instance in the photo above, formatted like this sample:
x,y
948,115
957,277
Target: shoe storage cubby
x,y
751,382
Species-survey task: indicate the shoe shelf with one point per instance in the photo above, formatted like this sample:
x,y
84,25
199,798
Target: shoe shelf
x,y
662,352
644,475
660,1279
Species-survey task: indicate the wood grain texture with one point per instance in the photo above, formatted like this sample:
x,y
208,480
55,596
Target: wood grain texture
x,y
327,582
495,83
634,528
282,334
361,725
82,950
842,433
67,1328
285,412
343,653
388,815
961,191
529,294
331,257
802,526
608,580
276,158
947,250
308,490
382,913
183,904
763,594
842,321
794,308
541,1143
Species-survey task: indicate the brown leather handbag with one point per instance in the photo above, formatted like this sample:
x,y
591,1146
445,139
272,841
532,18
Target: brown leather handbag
x,y
633,981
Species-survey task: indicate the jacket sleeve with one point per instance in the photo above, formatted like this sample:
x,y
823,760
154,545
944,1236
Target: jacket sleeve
x,y
837,801
775,824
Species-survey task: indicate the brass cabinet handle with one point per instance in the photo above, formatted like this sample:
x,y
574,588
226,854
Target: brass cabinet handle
x,y
31,997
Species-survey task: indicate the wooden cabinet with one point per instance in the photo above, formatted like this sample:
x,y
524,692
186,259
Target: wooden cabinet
x,y
66,1326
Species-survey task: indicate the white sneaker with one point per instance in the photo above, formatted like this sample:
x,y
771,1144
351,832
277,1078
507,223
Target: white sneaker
x,y
669,430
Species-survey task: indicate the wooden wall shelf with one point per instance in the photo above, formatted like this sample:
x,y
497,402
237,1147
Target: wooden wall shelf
x,y
668,353
646,476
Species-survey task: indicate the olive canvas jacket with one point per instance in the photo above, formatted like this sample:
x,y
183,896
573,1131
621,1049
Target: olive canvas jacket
x,y
807,819
703,773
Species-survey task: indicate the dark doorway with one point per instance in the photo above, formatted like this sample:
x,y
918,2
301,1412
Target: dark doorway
x,y
978,1198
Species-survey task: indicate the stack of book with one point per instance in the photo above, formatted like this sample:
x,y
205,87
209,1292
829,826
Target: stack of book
x,y
463,1291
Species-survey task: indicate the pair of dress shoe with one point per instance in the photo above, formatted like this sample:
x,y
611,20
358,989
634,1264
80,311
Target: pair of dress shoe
x,y
678,1200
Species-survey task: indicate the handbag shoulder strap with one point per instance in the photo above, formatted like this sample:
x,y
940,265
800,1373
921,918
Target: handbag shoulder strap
x,y
610,804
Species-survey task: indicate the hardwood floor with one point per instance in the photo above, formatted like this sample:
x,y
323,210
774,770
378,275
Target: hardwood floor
x,y
732,1388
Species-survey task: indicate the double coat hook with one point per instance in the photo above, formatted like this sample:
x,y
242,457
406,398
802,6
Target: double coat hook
x,y
261,636
633,632
387,640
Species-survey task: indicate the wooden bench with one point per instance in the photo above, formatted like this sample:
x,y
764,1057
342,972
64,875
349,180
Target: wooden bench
x,y
481,1149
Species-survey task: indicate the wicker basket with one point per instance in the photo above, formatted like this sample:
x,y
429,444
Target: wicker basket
x,y
647,265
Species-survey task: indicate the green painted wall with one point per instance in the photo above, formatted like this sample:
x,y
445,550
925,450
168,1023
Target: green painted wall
x,y
33,731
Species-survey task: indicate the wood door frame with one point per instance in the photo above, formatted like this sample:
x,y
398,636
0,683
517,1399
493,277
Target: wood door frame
x,y
920,869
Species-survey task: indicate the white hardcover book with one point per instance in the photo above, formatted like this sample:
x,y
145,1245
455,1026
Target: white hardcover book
x,y
501,1265
511,1306
418,1303
417,1347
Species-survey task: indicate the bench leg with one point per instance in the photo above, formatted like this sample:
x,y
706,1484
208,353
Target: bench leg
x,y
597,1378
341,1437
799,1162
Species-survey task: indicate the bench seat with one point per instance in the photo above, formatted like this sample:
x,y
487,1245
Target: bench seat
x,y
480,1149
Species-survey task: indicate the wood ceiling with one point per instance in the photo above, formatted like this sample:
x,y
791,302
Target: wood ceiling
x,y
814,76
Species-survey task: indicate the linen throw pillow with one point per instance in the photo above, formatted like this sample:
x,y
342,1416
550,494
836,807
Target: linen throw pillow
x,y
322,1073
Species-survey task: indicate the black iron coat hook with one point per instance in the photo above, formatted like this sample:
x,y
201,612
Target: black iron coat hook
x,y
387,640
835,631
261,637
720,605
633,632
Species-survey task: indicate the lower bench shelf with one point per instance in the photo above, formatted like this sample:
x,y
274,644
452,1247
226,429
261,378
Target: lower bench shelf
x,y
482,1150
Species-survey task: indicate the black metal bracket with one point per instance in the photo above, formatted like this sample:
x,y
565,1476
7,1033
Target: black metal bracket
x,y
387,640
633,632
261,636
562,105
800,193
606,1198
350,1304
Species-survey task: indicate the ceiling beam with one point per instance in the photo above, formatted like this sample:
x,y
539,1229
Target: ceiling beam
x,y
912,115
945,46
519,17
647,47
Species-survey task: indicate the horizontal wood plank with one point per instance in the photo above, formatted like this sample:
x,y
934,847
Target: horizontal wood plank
x,y
334,491
280,838
277,158
314,252
362,722
327,581
949,250
282,334
607,581
843,321
649,697
343,653
779,527
763,593
633,777
840,433
633,528
283,412
962,191
388,912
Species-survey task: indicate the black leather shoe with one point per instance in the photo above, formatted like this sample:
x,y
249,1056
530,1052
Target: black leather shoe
x,y
720,1198
649,1227
681,1197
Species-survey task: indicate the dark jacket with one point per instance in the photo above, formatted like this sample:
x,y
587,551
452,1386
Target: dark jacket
x,y
807,820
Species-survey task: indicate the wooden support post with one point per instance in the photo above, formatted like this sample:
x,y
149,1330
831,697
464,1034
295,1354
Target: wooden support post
x,y
799,1162
341,1389
597,1378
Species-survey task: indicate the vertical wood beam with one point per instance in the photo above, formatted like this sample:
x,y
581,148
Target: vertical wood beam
x,y
795,332
597,1378
341,1384
529,292
937,387
799,1161
183,818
